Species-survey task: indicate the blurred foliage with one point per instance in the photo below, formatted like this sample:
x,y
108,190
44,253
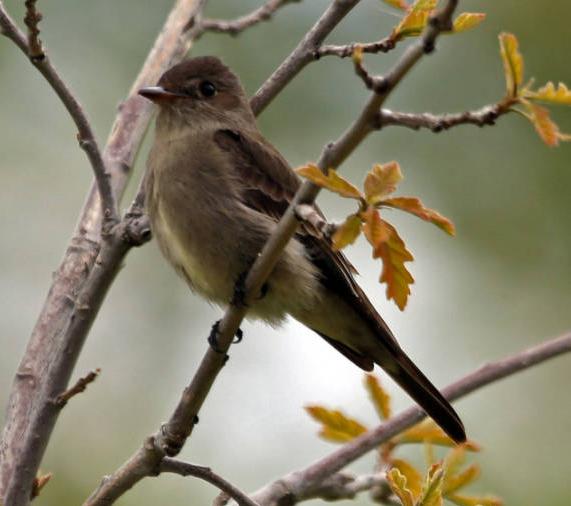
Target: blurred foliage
x,y
501,285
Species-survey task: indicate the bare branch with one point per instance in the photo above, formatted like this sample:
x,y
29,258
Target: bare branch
x,y
80,386
169,465
344,485
32,20
296,484
234,27
487,115
85,136
344,51
81,283
308,214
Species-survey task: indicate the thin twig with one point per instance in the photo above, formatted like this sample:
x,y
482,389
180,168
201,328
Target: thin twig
x,y
233,27
296,484
169,465
85,135
344,51
344,485
487,115
80,386
32,20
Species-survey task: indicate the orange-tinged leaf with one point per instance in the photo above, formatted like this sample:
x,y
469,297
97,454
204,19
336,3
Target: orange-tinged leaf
x,y
414,206
544,125
332,181
381,181
513,62
399,4
394,254
549,93
432,490
380,398
413,477
347,232
467,21
464,500
336,426
460,480
397,482
375,230
429,432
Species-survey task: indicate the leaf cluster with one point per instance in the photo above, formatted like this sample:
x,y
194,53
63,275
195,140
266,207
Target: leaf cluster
x,y
443,480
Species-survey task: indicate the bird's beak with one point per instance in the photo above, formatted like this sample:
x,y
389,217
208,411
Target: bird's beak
x,y
158,94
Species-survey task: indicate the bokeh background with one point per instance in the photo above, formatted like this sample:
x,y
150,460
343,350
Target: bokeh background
x,y
504,283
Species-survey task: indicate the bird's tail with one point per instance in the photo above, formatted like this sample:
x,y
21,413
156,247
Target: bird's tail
x,y
416,384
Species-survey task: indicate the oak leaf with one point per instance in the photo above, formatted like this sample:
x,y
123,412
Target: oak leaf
x,y
398,483
513,62
414,206
428,432
413,477
544,125
467,21
432,490
336,426
462,500
382,180
549,93
398,4
347,232
332,181
380,398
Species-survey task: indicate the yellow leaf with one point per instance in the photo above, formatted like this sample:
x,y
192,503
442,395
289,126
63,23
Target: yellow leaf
x,y
380,398
375,230
432,490
381,181
467,21
397,482
413,477
544,125
463,500
513,62
332,181
414,206
394,254
336,426
415,20
460,480
548,93
347,233
428,432
399,4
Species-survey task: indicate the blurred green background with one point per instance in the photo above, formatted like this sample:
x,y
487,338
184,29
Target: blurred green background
x,y
502,284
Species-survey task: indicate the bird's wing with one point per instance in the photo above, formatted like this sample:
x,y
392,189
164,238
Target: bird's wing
x,y
270,185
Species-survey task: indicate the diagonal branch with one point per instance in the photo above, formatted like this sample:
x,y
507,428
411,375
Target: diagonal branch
x,y
169,465
85,135
298,484
344,51
263,13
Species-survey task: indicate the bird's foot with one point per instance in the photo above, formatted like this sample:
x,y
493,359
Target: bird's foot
x,y
213,338
239,296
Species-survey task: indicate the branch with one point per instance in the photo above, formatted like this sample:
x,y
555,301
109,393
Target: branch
x,y
172,436
381,46
487,115
344,485
81,283
297,484
32,47
79,387
205,473
234,27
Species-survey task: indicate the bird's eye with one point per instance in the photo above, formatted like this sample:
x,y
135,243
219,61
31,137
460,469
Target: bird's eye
x,y
207,89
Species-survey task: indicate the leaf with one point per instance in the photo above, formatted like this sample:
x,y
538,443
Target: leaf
x,y
467,21
336,426
381,181
347,233
513,62
548,93
544,125
415,20
414,206
375,230
413,477
464,500
397,482
380,398
332,181
398,4
461,480
394,254
428,432
432,490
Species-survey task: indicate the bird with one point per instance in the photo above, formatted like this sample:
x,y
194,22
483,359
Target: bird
x,y
215,189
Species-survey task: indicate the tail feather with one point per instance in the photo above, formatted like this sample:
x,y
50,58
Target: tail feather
x,y
416,384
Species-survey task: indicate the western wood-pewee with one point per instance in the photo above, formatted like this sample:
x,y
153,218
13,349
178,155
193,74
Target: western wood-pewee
x,y
214,192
